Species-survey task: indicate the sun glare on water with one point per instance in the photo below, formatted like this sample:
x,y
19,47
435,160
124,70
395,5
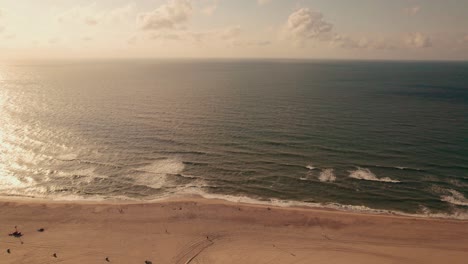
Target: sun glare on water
x,y
6,180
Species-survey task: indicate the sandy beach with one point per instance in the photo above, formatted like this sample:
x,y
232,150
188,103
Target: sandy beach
x,y
196,230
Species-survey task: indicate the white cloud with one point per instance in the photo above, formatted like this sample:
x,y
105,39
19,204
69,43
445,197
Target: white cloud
x,y
413,10
348,42
167,16
418,40
210,8
305,24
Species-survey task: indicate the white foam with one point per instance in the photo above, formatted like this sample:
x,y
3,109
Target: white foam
x,y
165,166
407,168
155,174
67,157
456,198
460,215
86,175
327,175
7,181
367,175
310,167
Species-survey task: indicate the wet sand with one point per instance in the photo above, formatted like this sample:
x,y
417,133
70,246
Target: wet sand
x,y
196,230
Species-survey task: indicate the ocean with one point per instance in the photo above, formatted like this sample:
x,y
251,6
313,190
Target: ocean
x,y
375,136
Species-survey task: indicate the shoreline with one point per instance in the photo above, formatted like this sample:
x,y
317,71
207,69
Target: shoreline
x,y
198,230
245,201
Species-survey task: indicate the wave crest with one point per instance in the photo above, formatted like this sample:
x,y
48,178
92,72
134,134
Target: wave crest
x,y
327,175
155,174
367,175
456,198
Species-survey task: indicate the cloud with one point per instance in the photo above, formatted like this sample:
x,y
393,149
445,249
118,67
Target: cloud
x,y
263,43
263,2
89,15
210,9
54,41
412,11
348,42
10,36
305,24
417,40
251,43
77,13
166,36
120,13
91,21
230,33
132,40
167,16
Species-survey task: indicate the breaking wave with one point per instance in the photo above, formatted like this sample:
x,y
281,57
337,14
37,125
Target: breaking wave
x,y
460,215
327,175
155,174
455,198
367,175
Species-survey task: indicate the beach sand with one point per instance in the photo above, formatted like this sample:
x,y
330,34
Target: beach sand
x,y
196,230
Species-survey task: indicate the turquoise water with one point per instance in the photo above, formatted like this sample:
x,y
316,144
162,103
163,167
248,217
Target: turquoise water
x,y
380,135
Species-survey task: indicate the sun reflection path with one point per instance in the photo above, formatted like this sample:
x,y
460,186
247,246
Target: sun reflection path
x,y
7,181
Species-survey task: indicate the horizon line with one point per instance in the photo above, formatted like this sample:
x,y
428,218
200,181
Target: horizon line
x,y
226,59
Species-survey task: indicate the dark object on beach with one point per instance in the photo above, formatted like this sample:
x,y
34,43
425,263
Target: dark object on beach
x,y
107,259
269,209
8,251
55,255
41,230
148,262
16,234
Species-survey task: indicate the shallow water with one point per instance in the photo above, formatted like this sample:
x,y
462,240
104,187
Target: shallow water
x,y
381,135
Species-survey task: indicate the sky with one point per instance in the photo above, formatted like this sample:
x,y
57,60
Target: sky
x,y
317,29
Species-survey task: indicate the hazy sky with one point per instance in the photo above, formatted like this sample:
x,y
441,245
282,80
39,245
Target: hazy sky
x,y
349,29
